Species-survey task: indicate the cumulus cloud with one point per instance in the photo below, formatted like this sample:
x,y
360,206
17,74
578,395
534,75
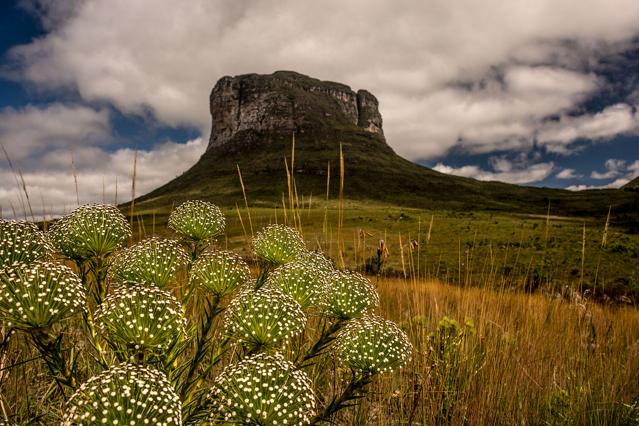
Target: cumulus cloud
x,y
614,168
533,173
33,130
619,170
568,174
102,176
483,76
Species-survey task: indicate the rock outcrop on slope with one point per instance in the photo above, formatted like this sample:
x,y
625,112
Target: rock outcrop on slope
x,y
286,102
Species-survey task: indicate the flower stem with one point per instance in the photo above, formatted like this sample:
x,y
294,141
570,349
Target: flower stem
x,y
355,390
51,350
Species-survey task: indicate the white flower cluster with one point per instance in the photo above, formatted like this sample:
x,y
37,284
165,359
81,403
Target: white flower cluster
x,y
263,390
316,260
90,230
125,395
220,272
278,244
264,318
372,345
308,285
22,242
350,295
137,318
197,220
153,260
39,295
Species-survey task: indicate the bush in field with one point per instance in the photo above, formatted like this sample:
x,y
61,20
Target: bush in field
x,y
170,357
22,242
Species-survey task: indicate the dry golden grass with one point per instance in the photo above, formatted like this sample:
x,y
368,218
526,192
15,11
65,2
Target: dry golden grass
x,y
531,360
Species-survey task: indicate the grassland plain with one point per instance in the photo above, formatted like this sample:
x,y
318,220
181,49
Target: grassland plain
x,y
484,249
481,356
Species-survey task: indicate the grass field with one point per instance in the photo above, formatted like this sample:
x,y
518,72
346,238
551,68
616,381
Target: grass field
x,y
480,357
495,250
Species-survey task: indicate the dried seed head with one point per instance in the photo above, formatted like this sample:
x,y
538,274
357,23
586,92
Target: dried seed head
x,y
372,345
262,389
263,319
39,295
307,284
220,272
92,230
197,220
153,260
278,244
22,242
125,395
350,295
140,319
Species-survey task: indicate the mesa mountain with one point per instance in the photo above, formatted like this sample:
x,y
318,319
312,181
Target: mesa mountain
x,y
254,120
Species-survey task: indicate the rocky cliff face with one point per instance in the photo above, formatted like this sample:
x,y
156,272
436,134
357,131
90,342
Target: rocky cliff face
x,y
286,102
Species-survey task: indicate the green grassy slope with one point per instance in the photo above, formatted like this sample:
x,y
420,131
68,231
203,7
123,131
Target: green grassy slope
x,y
372,172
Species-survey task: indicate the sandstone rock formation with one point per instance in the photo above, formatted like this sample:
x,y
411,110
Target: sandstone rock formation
x,y
286,102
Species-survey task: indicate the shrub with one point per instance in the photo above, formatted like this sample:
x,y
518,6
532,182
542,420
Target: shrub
x,y
152,260
39,295
263,390
123,395
22,242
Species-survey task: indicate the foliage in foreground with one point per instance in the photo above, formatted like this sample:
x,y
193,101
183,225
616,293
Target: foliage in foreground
x,y
135,335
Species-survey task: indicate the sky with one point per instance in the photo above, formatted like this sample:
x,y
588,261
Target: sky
x,y
540,93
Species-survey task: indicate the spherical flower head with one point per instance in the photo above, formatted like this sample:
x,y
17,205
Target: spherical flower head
x,y
372,345
139,319
153,260
316,260
125,395
264,318
303,282
264,390
92,230
220,272
39,295
22,242
350,295
278,244
197,220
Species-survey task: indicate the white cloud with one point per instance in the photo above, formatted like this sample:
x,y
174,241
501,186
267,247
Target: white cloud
x,y
614,168
533,173
165,56
100,175
568,174
620,170
33,130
